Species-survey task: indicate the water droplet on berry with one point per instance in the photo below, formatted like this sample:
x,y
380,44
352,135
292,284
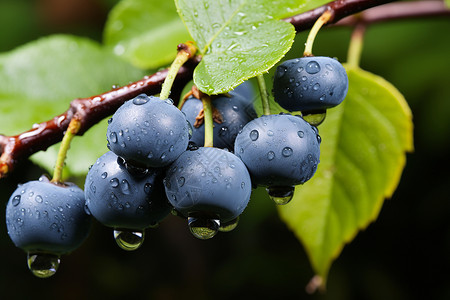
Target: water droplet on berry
x,y
181,181
270,133
270,155
312,67
223,131
319,139
113,137
104,175
301,134
16,200
114,182
229,226
203,228
315,118
110,120
299,70
129,240
286,152
254,134
329,67
322,98
141,99
43,265
125,187
316,87
281,195
148,188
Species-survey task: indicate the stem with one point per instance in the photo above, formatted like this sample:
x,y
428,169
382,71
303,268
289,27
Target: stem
x,y
72,130
208,120
324,18
264,95
356,45
185,52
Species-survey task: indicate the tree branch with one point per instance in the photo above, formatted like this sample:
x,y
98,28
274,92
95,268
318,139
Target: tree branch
x,y
93,109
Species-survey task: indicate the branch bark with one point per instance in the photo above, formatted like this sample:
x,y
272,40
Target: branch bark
x,y
93,109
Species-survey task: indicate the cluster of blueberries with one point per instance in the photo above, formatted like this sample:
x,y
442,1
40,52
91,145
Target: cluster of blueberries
x,y
156,165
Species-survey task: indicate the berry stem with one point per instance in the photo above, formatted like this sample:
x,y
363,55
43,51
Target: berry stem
x,y
264,95
356,45
185,52
322,20
208,119
72,130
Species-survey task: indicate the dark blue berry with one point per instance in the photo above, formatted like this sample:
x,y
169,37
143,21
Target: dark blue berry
x,y
120,199
235,112
310,84
208,181
279,150
44,217
148,131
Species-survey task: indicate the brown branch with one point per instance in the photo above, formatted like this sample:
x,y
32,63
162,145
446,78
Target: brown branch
x,y
93,109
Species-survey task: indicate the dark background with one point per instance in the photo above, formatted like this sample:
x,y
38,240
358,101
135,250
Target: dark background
x,y
405,254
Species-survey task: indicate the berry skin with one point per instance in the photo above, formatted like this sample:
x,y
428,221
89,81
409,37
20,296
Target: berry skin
x,y
43,217
119,200
148,131
279,150
208,181
310,84
235,112
246,91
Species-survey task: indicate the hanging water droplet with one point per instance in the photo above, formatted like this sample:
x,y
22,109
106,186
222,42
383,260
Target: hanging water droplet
x,y
203,228
43,265
114,182
254,134
270,155
314,118
104,175
229,226
141,99
113,137
281,195
286,152
312,67
301,134
319,139
129,240
16,200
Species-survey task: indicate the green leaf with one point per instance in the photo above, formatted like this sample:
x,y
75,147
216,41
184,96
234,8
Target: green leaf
x,y
364,141
38,81
145,32
447,3
240,38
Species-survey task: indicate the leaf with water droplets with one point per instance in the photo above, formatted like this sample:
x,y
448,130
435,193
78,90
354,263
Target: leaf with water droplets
x,y
363,153
240,38
134,27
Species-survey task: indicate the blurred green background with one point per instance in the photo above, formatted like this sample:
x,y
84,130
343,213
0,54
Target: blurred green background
x,y
405,254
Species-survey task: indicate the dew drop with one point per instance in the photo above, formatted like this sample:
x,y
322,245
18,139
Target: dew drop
x,y
299,70
148,188
301,134
113,137
270,133
316,87
181,181
141,99
312,67
125,187
315,118
114,182
110,120
319,139
329,67
286,152
16,200
129,240
322,97
281,195
270,155
235,108
223,131
171,148
43,265
104,175
254,134
229,226
203,228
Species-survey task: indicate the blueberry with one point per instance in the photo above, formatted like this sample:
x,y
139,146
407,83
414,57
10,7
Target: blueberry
x,y
246,91
235,112
122,200
310,84
148,131
279,150
210,186
47,220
